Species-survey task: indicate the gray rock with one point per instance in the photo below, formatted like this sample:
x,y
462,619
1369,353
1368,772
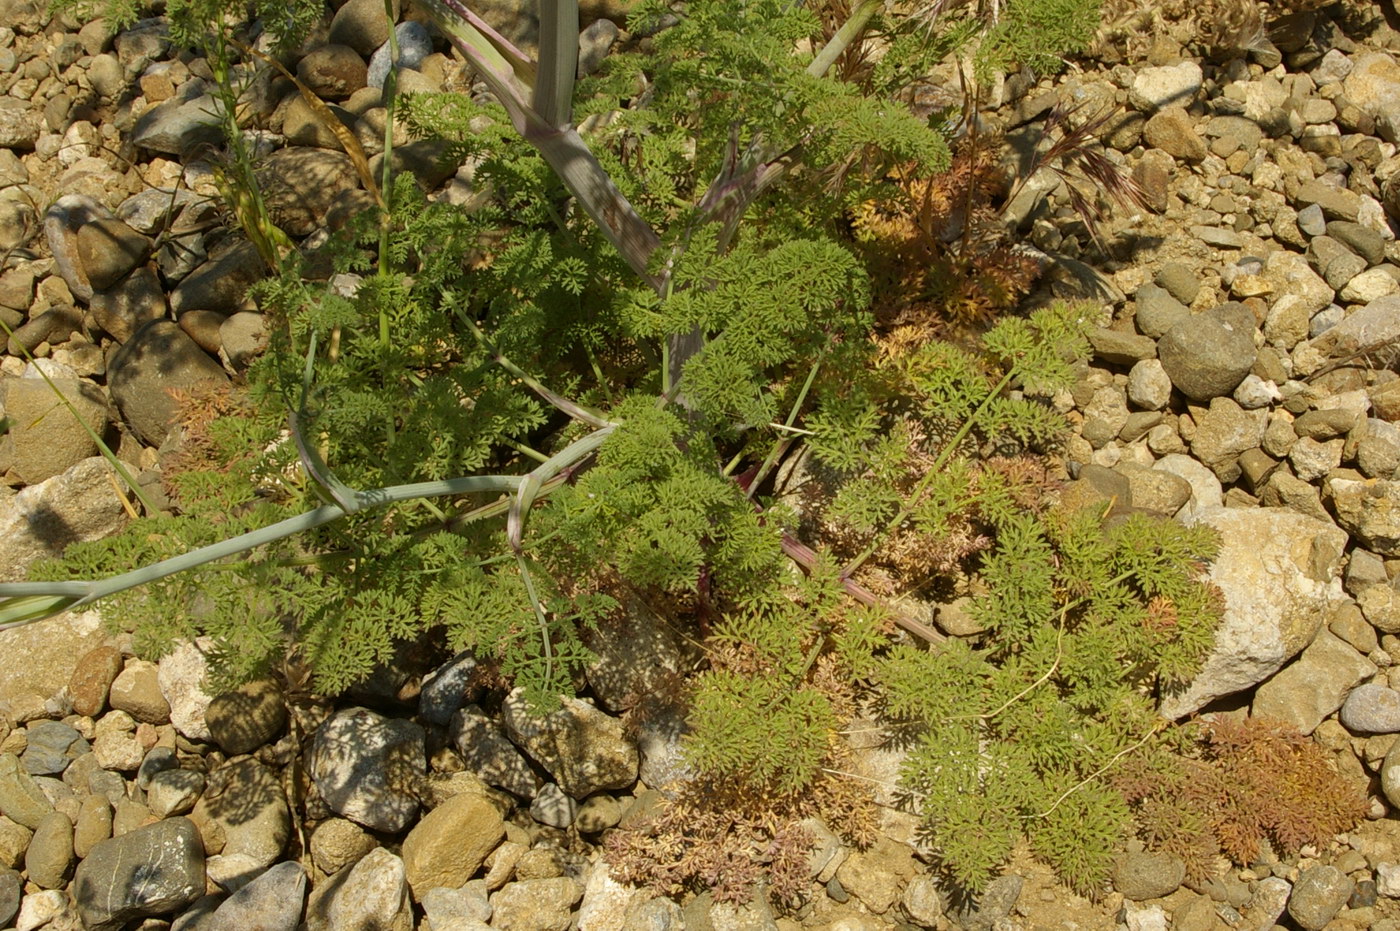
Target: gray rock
x,y
1390,774
1148,385
367,766
1224,432
181,674
1279,573
993,905
303,125
200,915
272,902
1119,348
21,799
1312,459
584,749
1207,355
243,818
1318,895
1270,897
173,791
1372,709
1314,686
248,717
130,304
300,184
109,250
1368,509
1170,85
1362,240
360,24
552,807
20,124
220,284
1182,281
489,754
243,337
48,436
415,44
337,842
454,908
157,358
1376,323
371,894
105,74
52,746
594,43
11,886
17,220
1326,424
177,127
150,210
153,870
1337,264
50,854
1140,875
62,221
637,651
1311,220
1154,489
448,688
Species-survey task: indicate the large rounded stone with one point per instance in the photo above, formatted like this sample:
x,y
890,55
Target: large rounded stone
x,y
367,768
248,717
1279,574
49,437
1206,356
109,250
153,870
50,854
451,842
158,358
584,749
333,72
300,184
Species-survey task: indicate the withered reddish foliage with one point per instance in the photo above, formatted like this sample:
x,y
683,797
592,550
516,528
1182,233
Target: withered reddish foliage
x,y
940,261
1251,779
729,836
198,406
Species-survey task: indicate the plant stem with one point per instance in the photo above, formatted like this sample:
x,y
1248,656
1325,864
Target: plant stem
x,y
781,445
850,30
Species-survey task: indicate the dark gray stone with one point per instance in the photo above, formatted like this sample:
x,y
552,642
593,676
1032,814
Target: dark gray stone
x,y
1140,875
272,902
154,870
157,358
1157,310
11,889
448,688
1207,355
220,284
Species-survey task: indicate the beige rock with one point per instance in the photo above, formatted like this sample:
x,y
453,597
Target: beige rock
x,y
1279,574
451,842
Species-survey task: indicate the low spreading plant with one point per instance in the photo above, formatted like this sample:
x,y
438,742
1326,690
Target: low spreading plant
x,y
494,422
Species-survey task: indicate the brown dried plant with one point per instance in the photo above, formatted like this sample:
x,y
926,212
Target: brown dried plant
x,y
939,258
197,407
1250,780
